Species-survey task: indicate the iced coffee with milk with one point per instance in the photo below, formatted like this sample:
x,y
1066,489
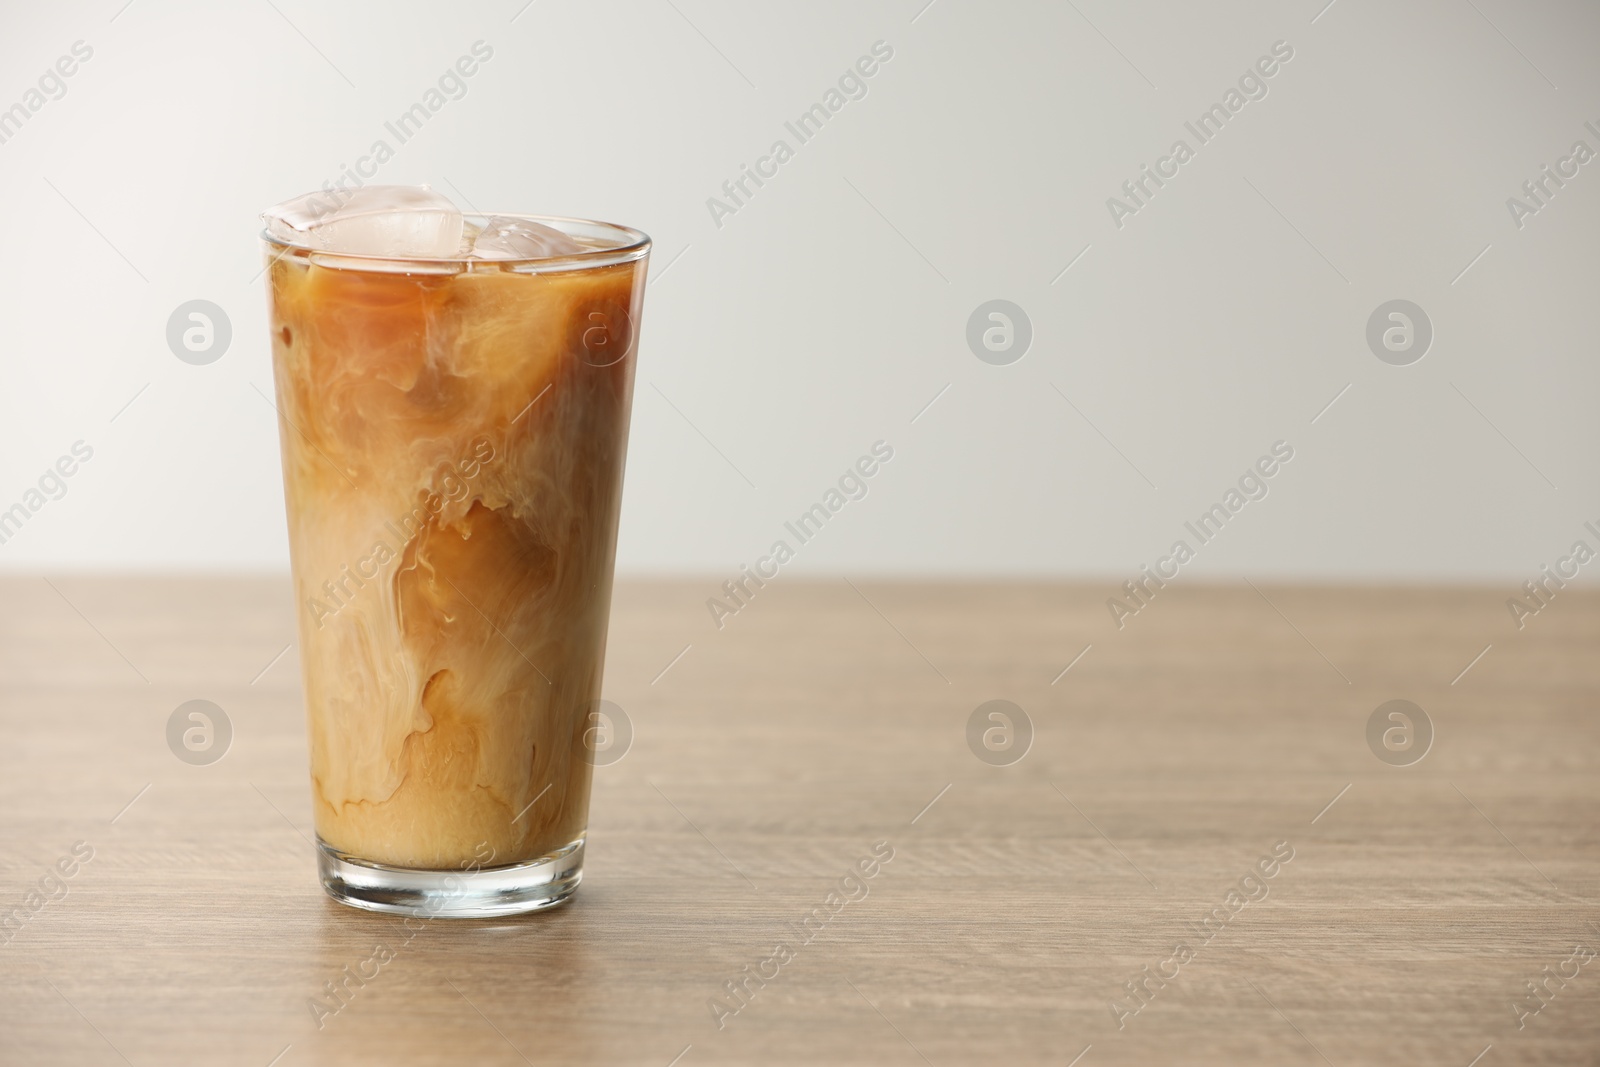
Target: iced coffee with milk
x,y
453,395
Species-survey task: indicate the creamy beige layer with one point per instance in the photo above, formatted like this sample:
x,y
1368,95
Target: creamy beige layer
x,y
453,449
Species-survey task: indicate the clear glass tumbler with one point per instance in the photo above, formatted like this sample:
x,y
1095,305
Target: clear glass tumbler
x,y
453,434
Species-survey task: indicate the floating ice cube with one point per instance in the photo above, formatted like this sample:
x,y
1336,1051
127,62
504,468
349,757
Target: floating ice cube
x,y
402,221
507,238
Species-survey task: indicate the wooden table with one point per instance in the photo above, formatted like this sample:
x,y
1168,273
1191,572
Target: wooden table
x,y
775,753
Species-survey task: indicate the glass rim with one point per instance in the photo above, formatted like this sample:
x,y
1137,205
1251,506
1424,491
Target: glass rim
x,y
632,244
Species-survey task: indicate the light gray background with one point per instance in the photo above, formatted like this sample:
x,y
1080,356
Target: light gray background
x,y
1223,317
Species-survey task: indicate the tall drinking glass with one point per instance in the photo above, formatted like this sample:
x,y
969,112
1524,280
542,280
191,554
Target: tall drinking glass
x,y
453,431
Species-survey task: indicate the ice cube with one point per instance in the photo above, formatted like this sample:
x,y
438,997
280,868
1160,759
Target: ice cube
x,y
507,238
402,221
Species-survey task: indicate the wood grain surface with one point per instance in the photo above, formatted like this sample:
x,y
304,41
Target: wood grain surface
x,y
773,755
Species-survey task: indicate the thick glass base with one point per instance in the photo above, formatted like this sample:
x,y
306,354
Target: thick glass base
x,y
541,883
